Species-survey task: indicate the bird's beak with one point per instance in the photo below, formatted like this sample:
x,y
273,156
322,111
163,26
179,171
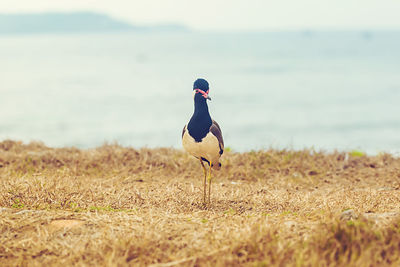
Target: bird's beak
x,y
208,97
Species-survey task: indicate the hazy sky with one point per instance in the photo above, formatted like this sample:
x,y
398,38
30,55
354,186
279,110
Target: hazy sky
x,y
233,14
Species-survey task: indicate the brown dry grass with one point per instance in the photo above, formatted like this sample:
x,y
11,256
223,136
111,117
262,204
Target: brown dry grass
x,y
120,206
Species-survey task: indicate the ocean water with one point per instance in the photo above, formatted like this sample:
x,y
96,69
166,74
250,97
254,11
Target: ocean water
x,y
322,90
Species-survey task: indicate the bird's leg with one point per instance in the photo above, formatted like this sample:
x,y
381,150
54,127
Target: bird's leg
x,y
209,184
205,177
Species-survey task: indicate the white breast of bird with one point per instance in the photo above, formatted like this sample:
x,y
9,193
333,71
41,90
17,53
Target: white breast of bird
x,y
208,148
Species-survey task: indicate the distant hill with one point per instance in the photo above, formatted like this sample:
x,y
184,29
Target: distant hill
x,y
70,22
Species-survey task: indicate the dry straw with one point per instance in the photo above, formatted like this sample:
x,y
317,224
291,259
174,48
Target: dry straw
x,y
116,206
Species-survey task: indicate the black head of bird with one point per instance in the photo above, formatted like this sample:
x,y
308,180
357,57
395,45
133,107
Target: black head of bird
x,y
201,90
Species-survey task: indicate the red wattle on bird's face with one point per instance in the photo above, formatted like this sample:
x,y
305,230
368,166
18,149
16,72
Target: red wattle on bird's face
x,y
204,94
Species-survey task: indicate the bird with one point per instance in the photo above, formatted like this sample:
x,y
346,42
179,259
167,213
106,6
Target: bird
x,y
202,136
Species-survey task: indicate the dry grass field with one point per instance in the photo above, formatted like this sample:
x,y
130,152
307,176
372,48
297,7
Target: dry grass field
x,y
117,206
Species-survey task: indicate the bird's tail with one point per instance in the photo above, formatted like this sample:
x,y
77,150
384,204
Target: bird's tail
x,y
216,166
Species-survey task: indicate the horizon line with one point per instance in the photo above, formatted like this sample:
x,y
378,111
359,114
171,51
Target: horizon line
x,y
308,29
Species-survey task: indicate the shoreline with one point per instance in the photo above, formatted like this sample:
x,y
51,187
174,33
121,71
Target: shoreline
x,y
350,151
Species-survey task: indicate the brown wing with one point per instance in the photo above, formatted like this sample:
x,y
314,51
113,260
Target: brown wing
x,y
216,130
183,131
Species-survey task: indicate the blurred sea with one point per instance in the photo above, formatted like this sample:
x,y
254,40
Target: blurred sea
x,y
321,90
